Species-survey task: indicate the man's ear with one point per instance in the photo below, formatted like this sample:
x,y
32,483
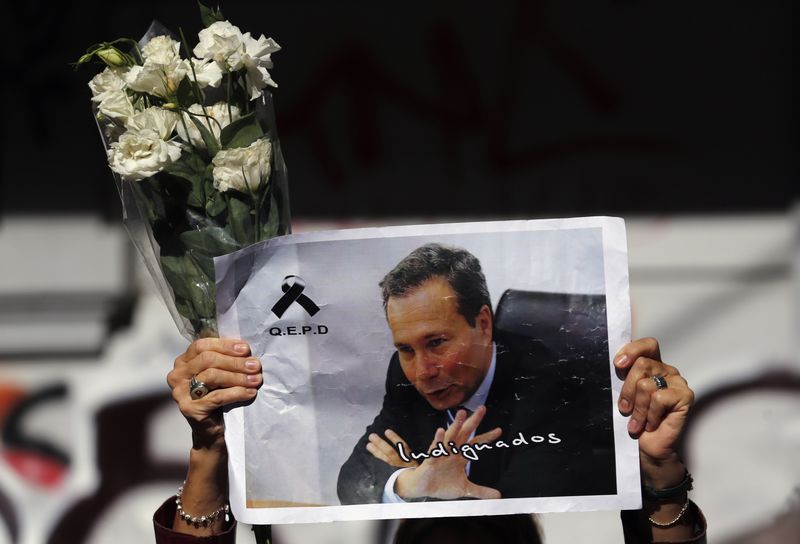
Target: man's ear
x,y
484,321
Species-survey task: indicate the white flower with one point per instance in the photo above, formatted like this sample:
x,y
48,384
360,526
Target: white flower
x,y
154,79
162,50
218,112
106,81
141,153
208,73
163,80
225,44
161,121
116,105
163,69
255,58
244,169
218,42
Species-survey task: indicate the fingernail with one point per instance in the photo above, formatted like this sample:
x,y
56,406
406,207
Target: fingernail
x,y
624,405
240,348
621,360
633,425
255,378
252,364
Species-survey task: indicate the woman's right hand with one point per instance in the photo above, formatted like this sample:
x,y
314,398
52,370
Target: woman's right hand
x,y
229,372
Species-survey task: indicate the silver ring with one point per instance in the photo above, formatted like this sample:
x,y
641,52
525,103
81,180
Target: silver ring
x,y
661,382
197,389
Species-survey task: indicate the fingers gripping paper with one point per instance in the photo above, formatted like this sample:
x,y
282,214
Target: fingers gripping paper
x,y
409,368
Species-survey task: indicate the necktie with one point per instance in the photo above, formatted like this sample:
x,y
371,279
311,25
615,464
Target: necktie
x,y
451,413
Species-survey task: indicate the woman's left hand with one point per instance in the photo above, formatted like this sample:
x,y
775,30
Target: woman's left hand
x,y
657,414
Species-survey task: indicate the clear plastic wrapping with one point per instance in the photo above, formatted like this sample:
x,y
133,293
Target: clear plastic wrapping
x,y
196,160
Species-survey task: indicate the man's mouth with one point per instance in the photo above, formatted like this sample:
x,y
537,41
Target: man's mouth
x,y
440,392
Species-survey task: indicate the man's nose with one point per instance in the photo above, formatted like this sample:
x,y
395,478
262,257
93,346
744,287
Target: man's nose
x,y
427,367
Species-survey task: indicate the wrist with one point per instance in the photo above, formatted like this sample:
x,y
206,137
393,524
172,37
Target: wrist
x,y
210,438
204,493
401,484
210,466
405,486
662,473
209,458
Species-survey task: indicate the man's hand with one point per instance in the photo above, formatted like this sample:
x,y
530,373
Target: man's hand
x,y
386,450
445,477
657,416
224,365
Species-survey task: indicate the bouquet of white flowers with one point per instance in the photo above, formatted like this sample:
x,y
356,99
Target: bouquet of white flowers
x,y
192,143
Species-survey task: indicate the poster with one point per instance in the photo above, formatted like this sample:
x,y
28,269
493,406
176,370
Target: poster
x,y
431,370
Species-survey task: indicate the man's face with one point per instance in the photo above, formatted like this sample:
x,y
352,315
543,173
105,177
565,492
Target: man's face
x,y
440,353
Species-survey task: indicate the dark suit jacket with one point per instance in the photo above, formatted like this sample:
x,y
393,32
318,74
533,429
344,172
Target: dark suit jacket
x,y
528,396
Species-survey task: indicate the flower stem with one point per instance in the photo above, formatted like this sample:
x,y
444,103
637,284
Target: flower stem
x,y
195,86
256,211
230,114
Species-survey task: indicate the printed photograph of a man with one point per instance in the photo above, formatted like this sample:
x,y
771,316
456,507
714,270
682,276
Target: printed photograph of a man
x,y
469,415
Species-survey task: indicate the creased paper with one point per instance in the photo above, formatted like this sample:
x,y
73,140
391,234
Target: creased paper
x,y
312,310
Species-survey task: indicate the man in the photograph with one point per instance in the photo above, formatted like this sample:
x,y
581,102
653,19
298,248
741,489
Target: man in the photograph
x,y
452,386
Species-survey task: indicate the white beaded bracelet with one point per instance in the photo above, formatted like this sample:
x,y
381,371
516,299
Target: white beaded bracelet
x,y
200,520
674,521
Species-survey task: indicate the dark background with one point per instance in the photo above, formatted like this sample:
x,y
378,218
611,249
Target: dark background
x,y
452,108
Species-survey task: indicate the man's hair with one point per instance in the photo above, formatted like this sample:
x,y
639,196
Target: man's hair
x,y
459,267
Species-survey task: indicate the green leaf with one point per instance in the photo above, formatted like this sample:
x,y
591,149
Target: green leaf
x,y
186,309
215,205
271,226
194,289
209,241
240,219
241,133
192,168
208,138
185,93
146,198
209,16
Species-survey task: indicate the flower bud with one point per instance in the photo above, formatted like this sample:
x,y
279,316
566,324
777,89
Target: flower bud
x,y
112,56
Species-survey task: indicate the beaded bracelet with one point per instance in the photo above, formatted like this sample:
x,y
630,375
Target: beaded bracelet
x,y
200,520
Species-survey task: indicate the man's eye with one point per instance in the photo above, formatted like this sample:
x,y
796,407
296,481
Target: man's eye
x,y
404,349
436,342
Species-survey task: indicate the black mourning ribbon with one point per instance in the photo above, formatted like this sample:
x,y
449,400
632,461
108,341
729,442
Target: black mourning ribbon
x,y
293,292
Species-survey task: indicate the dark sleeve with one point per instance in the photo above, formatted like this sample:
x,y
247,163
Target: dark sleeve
x,y
162,525
636,528
363,477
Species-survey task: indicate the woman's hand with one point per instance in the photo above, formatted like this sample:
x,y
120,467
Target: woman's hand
x,y
657,416
225,366
231,376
